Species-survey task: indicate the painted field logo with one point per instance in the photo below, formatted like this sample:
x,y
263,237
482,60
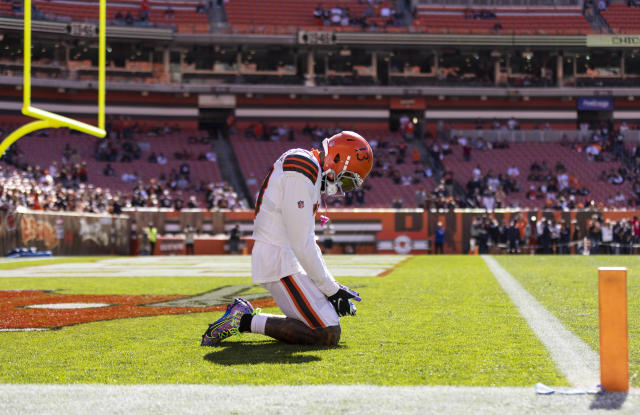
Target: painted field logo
x,y
29,310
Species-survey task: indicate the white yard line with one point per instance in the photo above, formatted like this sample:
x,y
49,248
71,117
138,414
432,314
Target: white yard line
x,y
194,266
575,359
322,399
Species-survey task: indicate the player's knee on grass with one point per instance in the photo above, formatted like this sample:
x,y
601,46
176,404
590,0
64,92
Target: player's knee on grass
x,y
328,336
293,331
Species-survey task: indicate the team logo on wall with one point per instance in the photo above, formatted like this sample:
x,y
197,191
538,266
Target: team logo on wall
x,y
37,310
38,230
11,222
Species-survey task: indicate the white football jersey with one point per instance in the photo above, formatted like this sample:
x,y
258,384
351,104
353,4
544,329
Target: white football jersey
x,y
284,225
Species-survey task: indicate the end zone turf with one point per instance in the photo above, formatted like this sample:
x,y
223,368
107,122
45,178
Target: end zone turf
x,y
432,321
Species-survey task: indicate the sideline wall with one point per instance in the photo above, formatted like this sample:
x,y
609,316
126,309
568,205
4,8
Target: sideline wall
x,y
366,231
65,233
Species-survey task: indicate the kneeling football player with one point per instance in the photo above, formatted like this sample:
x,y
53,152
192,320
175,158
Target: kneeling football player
x,y
286,260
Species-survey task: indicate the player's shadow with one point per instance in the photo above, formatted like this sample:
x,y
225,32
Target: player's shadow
x,y
248,352
609,400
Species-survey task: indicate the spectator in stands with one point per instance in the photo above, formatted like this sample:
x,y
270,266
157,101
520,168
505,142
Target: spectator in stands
x,y
144,11
161,159
602,5
336,15
169,13
500,198
476,173
53,169
488,200
129,177
252,180
185,171
178,202
82,172
466,149
192,203
128,18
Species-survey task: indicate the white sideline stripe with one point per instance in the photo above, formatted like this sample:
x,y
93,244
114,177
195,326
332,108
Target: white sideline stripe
x,y
309,399
189,266
574,358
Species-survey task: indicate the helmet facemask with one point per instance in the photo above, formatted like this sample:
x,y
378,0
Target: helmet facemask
x,y
337,184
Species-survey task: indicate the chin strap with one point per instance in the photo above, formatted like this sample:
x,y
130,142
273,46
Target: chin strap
x,y
330,187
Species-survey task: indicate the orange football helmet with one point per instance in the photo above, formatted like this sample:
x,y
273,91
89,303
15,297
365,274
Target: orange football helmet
x,y
347,162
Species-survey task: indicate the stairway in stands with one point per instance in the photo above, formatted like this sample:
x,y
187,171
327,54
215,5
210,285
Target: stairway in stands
x,y
230,167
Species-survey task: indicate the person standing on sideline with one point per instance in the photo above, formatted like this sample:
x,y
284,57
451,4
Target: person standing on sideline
x,y
439,239
234,240
152,235
189,238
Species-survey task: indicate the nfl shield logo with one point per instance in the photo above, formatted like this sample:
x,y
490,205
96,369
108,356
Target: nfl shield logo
x,y
300,204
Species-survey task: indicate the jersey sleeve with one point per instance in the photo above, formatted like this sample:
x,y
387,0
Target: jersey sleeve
x,y
299,219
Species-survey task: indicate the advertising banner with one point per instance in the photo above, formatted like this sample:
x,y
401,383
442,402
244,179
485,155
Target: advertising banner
x,y
64,233
595,104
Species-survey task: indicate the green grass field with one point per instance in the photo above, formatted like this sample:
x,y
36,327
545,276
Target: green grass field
x,y
568,287
434,320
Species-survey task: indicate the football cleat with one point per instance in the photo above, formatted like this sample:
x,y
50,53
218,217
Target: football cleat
x,y
227,325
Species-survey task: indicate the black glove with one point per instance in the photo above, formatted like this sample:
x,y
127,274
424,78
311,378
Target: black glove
x,y
341,303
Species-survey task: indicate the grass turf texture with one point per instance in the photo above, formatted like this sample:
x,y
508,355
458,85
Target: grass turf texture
x,y
568,287
432,321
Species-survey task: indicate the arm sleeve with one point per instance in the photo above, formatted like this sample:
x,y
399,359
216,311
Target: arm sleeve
x,y
297,212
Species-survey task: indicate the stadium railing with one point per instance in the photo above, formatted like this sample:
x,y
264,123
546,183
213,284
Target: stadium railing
x,y
536,135
503,3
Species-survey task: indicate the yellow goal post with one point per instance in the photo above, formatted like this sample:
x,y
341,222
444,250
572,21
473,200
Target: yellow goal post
x,y
46,119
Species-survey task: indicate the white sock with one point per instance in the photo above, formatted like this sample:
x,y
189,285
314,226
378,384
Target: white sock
x,y
259,321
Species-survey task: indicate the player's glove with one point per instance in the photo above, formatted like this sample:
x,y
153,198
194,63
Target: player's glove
x,y
341,301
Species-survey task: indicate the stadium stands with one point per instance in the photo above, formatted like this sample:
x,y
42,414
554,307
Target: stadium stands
x,y
622,18
6,9
256,156
288,16
504,20
181,15
68,152
585,171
